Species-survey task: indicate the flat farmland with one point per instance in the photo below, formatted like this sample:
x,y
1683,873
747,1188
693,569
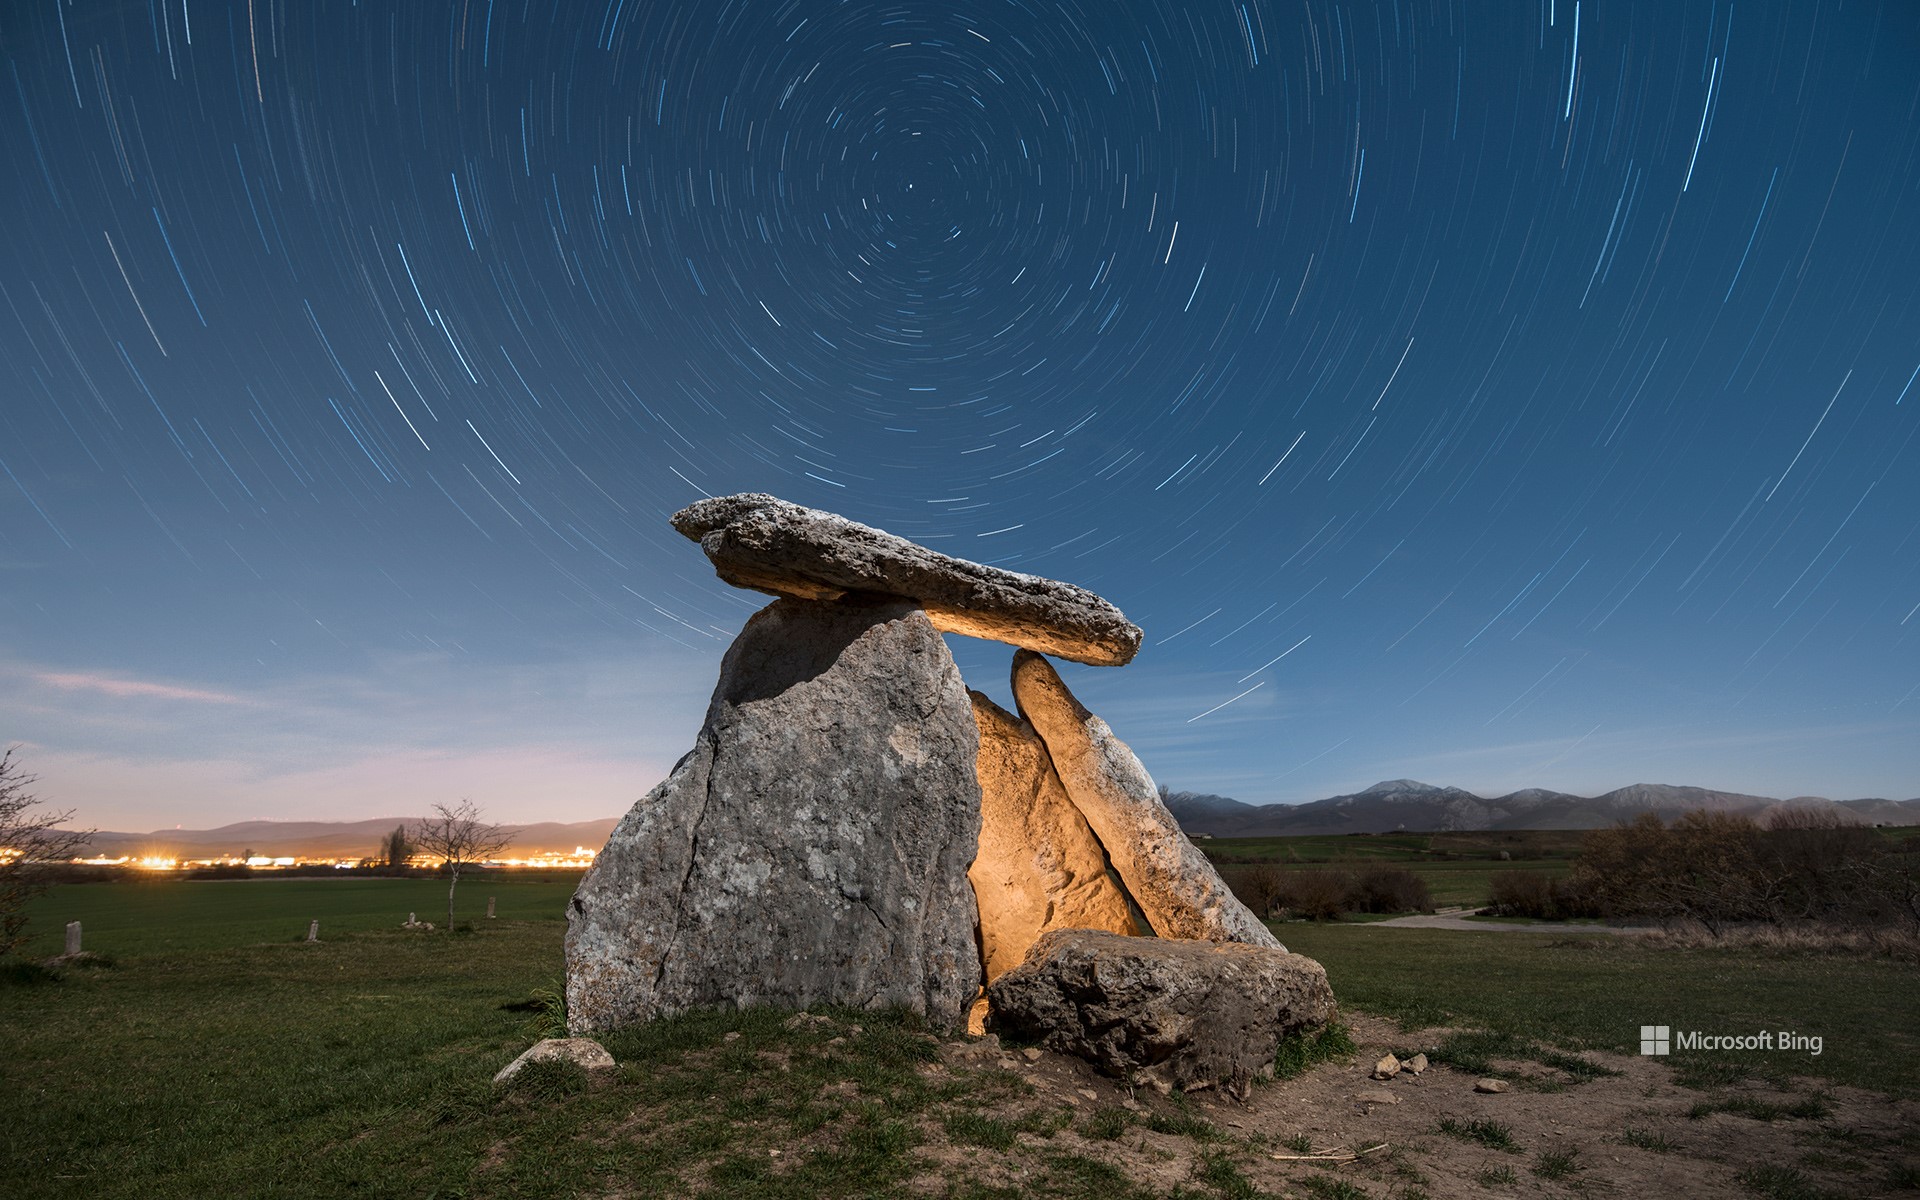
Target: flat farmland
x,y
163,915
218,1054
1458,867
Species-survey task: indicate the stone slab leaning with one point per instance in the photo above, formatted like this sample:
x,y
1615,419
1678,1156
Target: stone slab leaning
x,y
770,545
1175,886
1039,867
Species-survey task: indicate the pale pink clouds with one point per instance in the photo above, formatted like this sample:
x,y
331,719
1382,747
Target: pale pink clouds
x,y
127,689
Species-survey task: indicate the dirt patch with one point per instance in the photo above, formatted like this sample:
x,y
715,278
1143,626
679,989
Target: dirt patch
x,y
1636,1133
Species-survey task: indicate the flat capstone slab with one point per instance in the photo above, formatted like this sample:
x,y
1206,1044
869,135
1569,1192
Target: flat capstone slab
x,y
769,545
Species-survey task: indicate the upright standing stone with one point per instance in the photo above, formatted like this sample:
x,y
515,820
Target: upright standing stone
x,y
813,846
1039,866
73,937
490,915
1173,883
313,930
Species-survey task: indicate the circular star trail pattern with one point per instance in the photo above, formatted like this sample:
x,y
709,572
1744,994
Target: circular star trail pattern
x,y
1502,395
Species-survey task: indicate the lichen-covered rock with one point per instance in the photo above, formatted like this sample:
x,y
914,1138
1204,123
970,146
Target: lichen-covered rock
x,y
586,1052
812,848
1039,866
1177,889
767,544
1161,1010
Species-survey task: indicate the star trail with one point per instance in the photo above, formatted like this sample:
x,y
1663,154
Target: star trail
x,y
1499,395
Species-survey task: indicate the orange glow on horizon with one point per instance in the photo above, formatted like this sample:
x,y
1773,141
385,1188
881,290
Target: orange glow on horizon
x,y
579,858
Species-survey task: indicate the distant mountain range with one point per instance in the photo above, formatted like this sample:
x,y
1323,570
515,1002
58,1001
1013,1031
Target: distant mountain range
x,y
329,839
1422,807
1384,807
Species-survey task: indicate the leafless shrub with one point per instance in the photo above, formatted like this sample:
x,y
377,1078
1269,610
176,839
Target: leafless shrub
x,y
1522,894
1537,894
32,847
1385,889
1258,887
1316,895
1721,870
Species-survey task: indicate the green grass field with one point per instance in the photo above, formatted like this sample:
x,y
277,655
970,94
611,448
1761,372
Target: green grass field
x,y
1594,992
166,914
1458,867
1400,849
221,1056
1450,883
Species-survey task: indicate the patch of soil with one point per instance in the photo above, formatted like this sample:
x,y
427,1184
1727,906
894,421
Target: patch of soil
x,y
1553,1121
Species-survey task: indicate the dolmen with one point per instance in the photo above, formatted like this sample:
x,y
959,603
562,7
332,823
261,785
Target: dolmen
x,y
854,826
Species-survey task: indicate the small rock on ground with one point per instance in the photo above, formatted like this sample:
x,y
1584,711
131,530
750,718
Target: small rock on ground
x,y
585,1051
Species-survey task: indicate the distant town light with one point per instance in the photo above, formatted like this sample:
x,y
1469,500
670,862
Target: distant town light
x,y
579,858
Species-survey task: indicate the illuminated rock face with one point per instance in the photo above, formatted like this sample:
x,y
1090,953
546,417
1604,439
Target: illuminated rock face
x,y
1172,882
813,847
759,542
1039,867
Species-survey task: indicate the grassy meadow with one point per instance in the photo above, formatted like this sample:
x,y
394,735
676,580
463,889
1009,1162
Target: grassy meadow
x,y
1458,868
158,914
215,1053
1593,992
221,1054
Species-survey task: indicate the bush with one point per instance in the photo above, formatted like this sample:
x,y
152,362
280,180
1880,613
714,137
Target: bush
x,y
1522,894
1539,895
1259,887
1315,895
1323,894
222,871
1826,862
1805,866
1384,889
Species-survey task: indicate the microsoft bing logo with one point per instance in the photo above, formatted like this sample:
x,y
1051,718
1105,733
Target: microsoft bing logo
x,y
1655,1039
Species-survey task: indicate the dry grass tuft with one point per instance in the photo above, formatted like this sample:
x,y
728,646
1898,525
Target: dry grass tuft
x,y
1897,944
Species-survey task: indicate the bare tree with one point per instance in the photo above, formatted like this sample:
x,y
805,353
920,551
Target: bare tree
x,y
457,836
1259,887
30,842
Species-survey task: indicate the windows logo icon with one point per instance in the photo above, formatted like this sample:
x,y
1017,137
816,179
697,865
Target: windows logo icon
x,y
1655,1039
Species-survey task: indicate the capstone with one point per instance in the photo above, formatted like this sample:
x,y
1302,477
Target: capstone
x,y
767,544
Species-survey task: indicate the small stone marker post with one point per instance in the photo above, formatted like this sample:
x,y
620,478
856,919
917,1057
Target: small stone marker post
x,y
313,930
489,908
73,937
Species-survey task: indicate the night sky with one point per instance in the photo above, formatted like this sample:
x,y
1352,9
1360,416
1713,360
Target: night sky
x,y
1498,395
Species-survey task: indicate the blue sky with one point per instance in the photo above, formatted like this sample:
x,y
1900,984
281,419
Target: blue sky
x,y
1499,396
